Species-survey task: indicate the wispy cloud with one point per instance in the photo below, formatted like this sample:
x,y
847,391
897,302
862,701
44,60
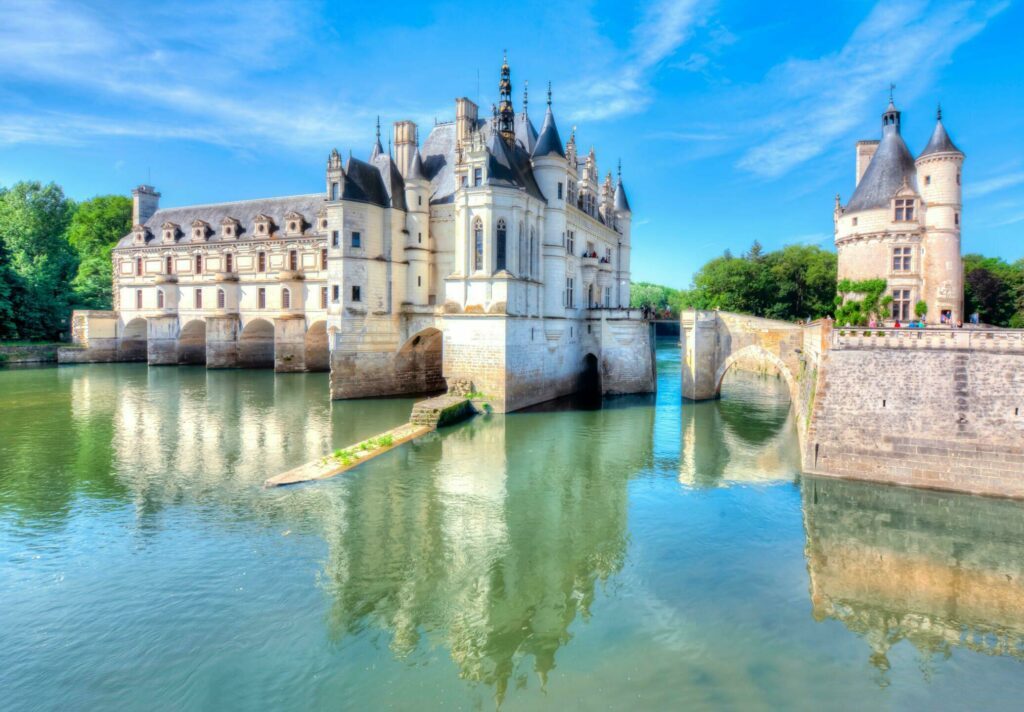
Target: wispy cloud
x,y
981,188
823,100
624,88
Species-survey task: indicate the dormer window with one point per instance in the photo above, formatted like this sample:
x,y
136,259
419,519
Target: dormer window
x,y
200,229
141,234
170,231
229,228
904,210
263,225
295,224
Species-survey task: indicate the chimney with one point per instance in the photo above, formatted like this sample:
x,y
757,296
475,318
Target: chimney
x,y
865,150
145,202
465,120
406,141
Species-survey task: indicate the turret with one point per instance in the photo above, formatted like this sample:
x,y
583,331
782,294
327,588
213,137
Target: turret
x,y
939,168
145,202
549,160
623,223
335,176
406,140
377,148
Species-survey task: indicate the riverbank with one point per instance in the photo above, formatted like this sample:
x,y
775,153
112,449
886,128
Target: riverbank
x,y
20,352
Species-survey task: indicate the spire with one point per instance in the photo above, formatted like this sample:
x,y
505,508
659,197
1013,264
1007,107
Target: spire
x,y
891,117
940,142
526,95
416,171
621,202
506,114
377,148
890,168
549,141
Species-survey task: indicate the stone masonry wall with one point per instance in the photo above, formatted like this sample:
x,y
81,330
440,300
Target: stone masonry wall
x,y
939,418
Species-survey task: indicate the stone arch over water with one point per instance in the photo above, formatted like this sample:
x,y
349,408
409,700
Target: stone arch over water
x,y
256,345
318,356
133,344
418,363
761,357
192,342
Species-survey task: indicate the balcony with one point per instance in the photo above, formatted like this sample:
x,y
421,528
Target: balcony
x,y
226,276
290,275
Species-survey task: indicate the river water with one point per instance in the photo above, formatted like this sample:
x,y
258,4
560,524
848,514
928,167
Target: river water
x,y
647,555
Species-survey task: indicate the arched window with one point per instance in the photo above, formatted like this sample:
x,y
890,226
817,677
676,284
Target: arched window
x,y
478,244
502,241
159,299
169,265
286,298
220,298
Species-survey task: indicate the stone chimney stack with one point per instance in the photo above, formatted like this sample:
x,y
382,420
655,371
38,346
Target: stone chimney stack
x,y
465,120
145,202
865,150
406,140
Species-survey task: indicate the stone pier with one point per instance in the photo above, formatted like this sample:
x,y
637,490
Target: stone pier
x,y
162,341
290,343
222,341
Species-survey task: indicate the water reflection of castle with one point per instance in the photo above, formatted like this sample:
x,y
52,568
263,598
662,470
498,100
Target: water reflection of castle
x,y
942,571
497,544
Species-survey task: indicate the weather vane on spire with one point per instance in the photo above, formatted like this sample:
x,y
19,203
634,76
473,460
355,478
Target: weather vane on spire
x,y
620,169
891,88
378,127
549,92
526,94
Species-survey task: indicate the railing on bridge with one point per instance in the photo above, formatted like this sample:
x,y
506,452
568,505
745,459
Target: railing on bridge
x,y
910,338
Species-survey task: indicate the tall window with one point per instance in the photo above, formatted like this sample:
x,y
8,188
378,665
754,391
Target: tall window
x,y
335,294
199,264
570,242
357,239
323,258
169,265
335,242
533,267
478,244
138,266
901,304
334,191
261,298
199,299
904,209
138,299
501,244
901,259
286,298
261,262
323,297
159,299
220,299
522,249
293,260
570,297
357,294
229,262
478,177
559,191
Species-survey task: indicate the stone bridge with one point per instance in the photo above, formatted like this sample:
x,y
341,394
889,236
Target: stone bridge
x,y
937,408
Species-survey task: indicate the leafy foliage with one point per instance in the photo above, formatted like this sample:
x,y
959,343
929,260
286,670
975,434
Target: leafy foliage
x,y
857,312
94,231
994,289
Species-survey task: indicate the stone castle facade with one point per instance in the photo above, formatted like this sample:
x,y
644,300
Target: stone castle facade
x,y
490,251
903,222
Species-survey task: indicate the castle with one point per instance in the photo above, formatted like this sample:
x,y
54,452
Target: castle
x,y
493,253
903,222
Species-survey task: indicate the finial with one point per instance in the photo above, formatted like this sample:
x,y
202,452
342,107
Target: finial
x,y
549,93
620,169
526,94
938,112
891,88
504,56
389,145
378,127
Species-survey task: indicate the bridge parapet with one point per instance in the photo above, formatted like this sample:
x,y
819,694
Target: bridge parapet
x,y
956,339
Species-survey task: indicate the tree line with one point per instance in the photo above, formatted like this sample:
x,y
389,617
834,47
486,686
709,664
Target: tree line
x,y
798,282
55,256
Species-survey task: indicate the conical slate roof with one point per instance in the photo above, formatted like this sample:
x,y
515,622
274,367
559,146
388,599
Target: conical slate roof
x,y
416,170
621,203
526,134
549,141
890,167
940,142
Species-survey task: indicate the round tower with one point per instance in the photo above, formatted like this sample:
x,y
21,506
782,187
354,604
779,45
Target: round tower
x,y
550,171
417,222
939,169
623,220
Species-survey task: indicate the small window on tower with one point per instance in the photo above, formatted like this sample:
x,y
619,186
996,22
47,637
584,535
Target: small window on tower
x,y
956,218
855,222
478,176
904,209
357,294
927,180
357,240
335,293
334,238
559,191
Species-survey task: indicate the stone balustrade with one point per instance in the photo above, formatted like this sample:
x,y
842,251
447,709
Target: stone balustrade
x,y
907,338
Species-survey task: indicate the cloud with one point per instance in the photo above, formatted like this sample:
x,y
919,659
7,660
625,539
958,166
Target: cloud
x,y
978,189
823,100
624,87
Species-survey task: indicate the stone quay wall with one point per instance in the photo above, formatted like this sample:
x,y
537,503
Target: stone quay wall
x,y
949,415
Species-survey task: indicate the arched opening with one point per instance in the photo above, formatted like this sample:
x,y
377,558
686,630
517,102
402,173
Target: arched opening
x,y
419,361
317,354
192,342
132,344
756,390
590,382
256,345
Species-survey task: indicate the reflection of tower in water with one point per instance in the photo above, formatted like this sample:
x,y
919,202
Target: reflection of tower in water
x,y
939,570
490,539
748,436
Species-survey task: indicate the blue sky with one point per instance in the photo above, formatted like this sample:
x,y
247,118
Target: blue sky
x,y
734,121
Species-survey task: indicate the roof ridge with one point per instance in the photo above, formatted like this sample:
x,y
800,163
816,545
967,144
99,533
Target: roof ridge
x,y
237,202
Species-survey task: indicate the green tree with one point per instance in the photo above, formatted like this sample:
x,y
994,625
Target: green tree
x,y
801,282
94,231
33,224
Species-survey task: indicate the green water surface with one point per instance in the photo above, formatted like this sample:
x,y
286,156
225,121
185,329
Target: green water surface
x,y
648,555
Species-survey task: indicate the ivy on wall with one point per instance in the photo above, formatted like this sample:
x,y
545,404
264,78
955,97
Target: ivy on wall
x,y
858,311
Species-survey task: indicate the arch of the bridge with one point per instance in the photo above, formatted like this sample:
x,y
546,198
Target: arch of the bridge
x,y
751,352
